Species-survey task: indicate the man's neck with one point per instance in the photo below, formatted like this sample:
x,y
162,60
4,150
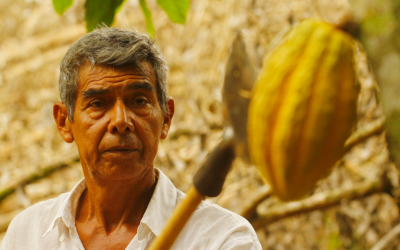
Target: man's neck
x,y
116,205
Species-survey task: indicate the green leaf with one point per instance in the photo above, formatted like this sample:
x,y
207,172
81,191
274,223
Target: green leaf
x,y
175,9
61,5
147,15
100,11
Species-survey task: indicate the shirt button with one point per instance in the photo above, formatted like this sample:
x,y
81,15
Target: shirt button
x,y
62,238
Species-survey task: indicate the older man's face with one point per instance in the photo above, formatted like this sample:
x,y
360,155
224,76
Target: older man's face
x,y
118,121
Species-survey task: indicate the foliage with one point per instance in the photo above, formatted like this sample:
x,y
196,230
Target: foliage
x,y
334,241
147,15
61,5
98,12
175,9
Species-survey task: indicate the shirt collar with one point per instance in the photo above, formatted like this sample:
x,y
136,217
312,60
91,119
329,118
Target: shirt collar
x,y
67,210
160,207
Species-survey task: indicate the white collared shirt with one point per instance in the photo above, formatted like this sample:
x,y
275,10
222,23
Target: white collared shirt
x,y
51,224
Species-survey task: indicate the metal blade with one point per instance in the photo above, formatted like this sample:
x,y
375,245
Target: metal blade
x,y
236,93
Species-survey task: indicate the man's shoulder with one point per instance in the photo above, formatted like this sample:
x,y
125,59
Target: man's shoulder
x,y
47,208
29,225
220,227
38,216
210,227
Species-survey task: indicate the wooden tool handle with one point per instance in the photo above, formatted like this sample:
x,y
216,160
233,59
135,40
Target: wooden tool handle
x,y
177,220
208,181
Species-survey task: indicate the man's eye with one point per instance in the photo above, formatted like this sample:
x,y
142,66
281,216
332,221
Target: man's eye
x,y
140,102
97,104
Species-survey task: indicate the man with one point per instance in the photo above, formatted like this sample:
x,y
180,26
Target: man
x,y
115,107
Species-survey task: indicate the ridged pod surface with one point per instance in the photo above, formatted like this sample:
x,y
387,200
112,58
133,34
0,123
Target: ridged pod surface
x,y
303,108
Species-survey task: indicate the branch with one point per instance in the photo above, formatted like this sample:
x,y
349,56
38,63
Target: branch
x,y
375,127
250,211
63,160
320,201
387,239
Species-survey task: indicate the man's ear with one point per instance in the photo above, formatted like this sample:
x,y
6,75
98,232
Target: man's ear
x,y
168,117
60,114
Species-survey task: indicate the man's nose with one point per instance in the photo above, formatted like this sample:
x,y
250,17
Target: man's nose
x,y
120,120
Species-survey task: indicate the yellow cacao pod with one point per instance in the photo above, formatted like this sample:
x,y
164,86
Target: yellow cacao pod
x,y
303,108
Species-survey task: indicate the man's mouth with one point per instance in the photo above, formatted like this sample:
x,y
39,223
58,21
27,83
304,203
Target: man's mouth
x,y
121,150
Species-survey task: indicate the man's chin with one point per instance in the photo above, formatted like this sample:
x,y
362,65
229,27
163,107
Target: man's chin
x,y
123,168
120,160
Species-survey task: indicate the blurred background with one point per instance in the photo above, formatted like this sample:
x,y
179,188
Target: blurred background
x,y
38,165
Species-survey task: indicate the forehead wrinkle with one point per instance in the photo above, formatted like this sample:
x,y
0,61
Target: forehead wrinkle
x,y
141,85
97,72
106,79
115,78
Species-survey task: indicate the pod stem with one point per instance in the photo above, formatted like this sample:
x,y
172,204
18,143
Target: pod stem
x,y
350,26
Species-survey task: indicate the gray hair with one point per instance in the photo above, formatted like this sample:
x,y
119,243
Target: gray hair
x,y
112,47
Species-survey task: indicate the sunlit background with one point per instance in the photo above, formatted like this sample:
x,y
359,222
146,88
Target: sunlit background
x,y
34,38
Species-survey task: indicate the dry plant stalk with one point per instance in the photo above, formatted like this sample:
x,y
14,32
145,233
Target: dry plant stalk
x,y
387,239
322,200
62,160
